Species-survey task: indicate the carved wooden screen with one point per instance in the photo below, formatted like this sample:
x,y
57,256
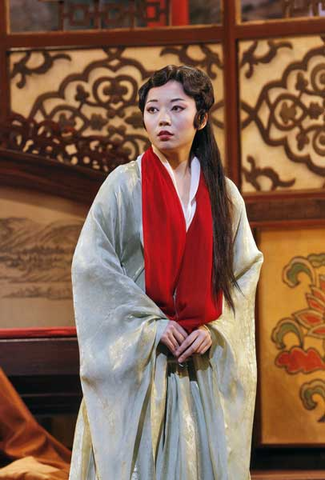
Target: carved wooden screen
x,y
69,97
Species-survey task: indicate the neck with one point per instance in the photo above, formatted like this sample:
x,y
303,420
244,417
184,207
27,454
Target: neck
x,y
176,161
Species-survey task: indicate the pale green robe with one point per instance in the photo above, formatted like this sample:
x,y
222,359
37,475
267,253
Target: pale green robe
x,y
139,411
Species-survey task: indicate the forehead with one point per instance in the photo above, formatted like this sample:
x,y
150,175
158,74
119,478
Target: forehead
x,y
168,92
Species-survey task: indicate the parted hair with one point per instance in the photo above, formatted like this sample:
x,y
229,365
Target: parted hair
x,y
197,84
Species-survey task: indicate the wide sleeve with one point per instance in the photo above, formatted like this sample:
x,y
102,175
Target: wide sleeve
x,y
232,355
118,329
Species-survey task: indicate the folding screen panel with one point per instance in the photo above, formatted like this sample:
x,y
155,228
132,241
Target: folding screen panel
x,y
282,92
291,334
38,237
94,92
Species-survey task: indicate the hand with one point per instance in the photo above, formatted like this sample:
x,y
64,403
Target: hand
x,y
199,341
173,336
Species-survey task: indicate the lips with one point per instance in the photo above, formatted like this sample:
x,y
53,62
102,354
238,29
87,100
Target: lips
x,y
165,133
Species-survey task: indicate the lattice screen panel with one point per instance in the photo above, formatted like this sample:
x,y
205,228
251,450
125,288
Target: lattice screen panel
x,y
94,92
282,91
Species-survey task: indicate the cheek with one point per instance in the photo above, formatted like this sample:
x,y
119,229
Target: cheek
x,y
187,125
187,121
147,123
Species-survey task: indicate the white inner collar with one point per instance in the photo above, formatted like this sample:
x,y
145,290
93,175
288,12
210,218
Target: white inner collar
x,y
190,208
195,169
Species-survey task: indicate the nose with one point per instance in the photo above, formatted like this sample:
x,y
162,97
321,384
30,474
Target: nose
x,y
164,118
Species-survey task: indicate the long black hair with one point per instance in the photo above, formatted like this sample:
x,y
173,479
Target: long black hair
x,y
196,84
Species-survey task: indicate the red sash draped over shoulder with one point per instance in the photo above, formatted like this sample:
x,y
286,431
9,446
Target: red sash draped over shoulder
x,y
178,264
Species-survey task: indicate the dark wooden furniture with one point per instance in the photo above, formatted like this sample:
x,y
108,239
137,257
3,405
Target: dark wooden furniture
x,y
45,372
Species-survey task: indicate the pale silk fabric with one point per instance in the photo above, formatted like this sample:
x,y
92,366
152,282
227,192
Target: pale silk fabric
x,y
143,416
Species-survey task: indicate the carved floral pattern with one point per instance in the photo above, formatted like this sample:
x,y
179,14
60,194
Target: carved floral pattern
x,y
92,118
61,142
251,59
290,110
253,175
97,98
209,62
22,69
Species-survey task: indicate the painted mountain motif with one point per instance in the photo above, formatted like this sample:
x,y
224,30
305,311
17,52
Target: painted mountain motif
x,y
35,258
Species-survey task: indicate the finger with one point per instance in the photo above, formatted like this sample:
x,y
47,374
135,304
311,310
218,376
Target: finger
x,y
169,340
170,346
187,342
173,341
169,333
204,347
197,344
206,337
191,349
179,336
181,330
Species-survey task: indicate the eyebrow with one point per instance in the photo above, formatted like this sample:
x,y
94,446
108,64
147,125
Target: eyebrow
x,y
173,100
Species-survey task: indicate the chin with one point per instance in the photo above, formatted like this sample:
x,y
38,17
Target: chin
x,y
167,148
167,144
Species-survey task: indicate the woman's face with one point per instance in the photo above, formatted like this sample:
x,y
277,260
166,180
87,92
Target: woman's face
x,y
169,119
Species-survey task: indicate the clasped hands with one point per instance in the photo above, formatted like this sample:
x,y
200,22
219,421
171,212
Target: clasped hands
x,y
181,344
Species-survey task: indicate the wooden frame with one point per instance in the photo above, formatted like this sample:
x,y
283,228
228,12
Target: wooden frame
x,y
290,208
48,377
30,171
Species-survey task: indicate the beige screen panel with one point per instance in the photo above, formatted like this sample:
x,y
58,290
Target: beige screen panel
x,y
95,91
282,114
38,236
291,333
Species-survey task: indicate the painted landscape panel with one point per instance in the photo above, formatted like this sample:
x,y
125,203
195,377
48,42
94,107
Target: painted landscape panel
x,y
38,234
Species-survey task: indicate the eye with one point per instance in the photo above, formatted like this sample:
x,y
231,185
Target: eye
x,y
177,108
152,109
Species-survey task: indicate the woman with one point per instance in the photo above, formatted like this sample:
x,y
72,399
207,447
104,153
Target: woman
x,y
164,278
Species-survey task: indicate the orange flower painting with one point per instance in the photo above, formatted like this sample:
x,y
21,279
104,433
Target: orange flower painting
x,y
306,324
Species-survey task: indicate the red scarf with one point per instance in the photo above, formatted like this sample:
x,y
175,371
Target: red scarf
x,y
178,264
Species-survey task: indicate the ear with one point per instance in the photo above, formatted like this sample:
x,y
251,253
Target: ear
x,y
203,121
